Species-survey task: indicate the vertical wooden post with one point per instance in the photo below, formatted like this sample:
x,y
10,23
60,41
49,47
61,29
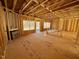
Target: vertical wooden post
x,y
51,27
76,26
3,32
63,25
77,38
35,24
71,25
7,24
41,26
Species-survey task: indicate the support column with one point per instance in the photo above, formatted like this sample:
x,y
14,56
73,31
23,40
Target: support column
x,y
41,25
77,38
7,21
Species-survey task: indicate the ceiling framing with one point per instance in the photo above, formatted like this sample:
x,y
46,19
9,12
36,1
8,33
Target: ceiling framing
x,y
39,8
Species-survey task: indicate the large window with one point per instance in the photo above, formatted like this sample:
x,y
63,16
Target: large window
x,y
25,25
32,25
28,25
46,24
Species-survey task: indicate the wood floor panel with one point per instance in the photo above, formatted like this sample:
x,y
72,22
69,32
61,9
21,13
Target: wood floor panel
x,y
42,46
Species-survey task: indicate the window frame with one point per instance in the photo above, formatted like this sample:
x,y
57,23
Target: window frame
x,y
28,21
46,25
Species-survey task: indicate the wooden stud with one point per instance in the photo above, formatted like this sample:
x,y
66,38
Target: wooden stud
x,y
7,21
14,4
77,37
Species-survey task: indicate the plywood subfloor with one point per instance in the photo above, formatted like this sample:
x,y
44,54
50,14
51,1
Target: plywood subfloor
x,y
42,46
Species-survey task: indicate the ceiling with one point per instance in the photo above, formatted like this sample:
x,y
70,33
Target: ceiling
x,y
45,9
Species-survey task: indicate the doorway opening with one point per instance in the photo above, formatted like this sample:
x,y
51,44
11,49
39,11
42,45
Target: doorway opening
x,y
37,26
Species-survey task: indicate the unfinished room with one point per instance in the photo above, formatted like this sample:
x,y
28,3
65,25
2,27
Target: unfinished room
x,y
39,29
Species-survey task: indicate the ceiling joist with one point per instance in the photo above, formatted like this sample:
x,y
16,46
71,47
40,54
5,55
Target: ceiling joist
x,y
47,8
36,7
36,1
64,6
40,8
26,5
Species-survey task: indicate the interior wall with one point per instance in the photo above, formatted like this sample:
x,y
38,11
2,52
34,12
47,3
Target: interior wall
x,y
55,24
69,24
67,21
13,21
22,32
24,17
13,24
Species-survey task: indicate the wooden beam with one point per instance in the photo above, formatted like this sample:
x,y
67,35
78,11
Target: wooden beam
x,y
77,37
7,21
59,3
36,1
56,3
65,6
40,10
47,8
36,7
26,5
37,12
43,12
76,2
14,4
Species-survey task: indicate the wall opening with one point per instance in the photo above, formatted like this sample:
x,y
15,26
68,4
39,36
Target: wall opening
x,y
37,26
